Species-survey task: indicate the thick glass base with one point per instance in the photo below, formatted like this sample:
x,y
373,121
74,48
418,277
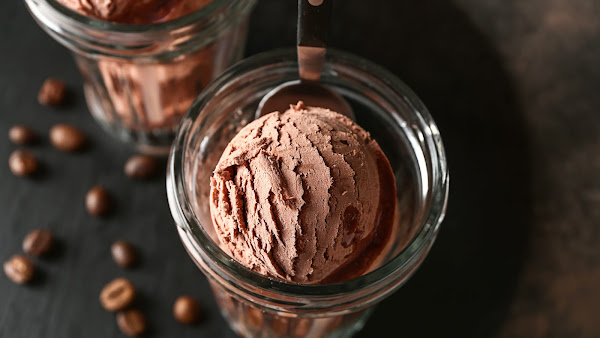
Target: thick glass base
x,y
251,321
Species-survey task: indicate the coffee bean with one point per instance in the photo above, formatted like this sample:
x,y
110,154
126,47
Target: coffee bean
x,y
131,322
52,92
117,295
124,254
98,201
187,310
141,167
22,135
19,269
67,138
22,163
38,242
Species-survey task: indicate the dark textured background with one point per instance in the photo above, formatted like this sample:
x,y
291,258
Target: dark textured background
x,y
513,86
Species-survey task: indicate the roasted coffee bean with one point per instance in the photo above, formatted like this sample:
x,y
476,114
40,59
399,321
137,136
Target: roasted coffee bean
x,y
19,269
22,163
22,135
38,242
141,167
117,295
124,254
187,310
131,322
52,92
98,201
65,137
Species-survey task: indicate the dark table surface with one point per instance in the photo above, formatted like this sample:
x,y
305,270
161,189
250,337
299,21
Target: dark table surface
x,y
513,86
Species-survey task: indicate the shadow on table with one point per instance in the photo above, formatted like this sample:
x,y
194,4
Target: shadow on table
x,y
466,285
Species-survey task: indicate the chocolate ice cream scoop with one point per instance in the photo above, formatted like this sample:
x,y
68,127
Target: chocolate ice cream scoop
x,y
302,196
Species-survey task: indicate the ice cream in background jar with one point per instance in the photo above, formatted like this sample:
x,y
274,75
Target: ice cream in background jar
x,y
260,291
144,62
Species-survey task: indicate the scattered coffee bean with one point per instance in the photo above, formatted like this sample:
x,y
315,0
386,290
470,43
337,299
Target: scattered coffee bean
x,y
52,93
22,163
117,295
131,322
98,201
187,310
38,242
19,269
22,135
65,137
124,254
141,167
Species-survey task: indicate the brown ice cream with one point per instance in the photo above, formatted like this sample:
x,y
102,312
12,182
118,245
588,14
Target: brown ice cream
x,y
135,11
156,95
306,196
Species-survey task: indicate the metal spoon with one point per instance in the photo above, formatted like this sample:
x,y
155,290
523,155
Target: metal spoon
x,y
313,21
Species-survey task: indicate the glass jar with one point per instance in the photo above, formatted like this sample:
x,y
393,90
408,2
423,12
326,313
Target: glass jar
x,y
139,80
258,306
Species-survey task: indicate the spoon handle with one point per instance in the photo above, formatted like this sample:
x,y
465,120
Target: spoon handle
x,y
313,23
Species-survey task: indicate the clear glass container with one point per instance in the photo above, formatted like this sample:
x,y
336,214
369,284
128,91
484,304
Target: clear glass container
x,y
258,306
139,80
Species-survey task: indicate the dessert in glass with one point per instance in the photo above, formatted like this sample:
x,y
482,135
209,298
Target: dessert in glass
x,y
143,62
303,220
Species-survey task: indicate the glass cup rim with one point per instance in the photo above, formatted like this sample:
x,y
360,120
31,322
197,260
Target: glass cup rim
x,y
107,26
181,206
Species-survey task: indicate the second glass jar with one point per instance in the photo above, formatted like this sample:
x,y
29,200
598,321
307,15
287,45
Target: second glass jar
x,y
139,80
